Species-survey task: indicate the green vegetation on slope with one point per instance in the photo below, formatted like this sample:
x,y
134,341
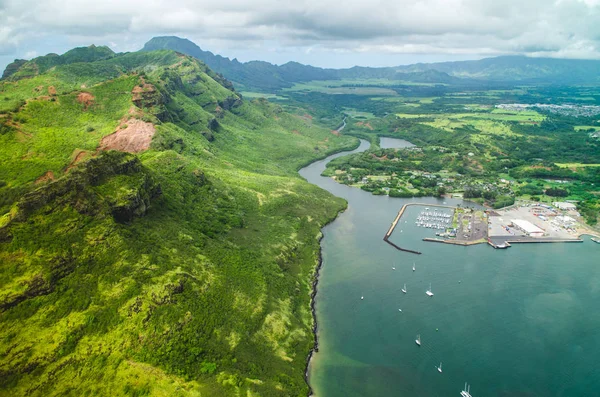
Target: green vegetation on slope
x,y
185,269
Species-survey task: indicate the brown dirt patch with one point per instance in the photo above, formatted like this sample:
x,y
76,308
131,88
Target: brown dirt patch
x,y
48,176
79,155
335,132
51,90
86,99
296,132
363,124
135,137
138,91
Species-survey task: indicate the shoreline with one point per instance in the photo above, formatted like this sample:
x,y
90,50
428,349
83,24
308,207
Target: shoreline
x,y
315,277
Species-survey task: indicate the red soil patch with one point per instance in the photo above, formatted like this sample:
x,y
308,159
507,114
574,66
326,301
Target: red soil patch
x,y
48,176
135,137
296,132
137,90
307,116
86,99
335,132
363,124
51,90
78,157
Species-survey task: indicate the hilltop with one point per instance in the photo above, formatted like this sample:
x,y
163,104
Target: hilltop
x,y
155,237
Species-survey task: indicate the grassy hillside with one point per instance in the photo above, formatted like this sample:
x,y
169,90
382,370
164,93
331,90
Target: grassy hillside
x,y
183,268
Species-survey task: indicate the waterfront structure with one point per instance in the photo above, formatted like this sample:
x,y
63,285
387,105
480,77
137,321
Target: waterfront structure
x,y
529,228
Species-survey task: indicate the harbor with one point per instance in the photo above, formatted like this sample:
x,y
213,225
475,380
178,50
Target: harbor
x,y
467,226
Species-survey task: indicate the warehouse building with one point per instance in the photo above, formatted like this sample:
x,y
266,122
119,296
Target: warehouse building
x,y
529,228
561,205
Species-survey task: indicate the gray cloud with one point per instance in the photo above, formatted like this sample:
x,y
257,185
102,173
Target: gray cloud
x,y
561,28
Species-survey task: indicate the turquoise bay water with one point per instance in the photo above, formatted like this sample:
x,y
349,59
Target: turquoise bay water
x,y
518,322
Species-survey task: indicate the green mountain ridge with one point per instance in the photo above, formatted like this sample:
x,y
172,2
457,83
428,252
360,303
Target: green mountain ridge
x,y
21,69
182,268
260,75
263,76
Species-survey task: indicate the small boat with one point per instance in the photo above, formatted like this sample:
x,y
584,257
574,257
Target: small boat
x,y
418,340
404,289
362,297
428,292
413,266
467,391
399,310
440,368
393,268
596,240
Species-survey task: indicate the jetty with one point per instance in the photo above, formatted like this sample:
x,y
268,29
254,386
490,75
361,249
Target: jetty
x,y
393,226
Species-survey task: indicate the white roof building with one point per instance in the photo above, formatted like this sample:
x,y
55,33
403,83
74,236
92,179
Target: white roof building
x,y
561,205
528,227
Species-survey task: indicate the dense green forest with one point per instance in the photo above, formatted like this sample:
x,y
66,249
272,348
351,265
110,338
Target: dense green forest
x,y
155,237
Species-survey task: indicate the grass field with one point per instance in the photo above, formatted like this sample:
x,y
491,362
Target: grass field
x,y
576,165
358,114
254,95
587,128
524,117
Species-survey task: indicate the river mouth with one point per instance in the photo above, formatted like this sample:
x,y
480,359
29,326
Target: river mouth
x,y
509,321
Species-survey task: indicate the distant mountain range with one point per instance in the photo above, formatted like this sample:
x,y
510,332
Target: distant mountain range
x,y
260,75
267,77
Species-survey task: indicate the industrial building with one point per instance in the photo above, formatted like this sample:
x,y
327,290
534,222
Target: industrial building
x,y
561,205
529,228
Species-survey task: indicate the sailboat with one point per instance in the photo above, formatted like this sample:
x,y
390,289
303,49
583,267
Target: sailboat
x,y
467,391
413,266
428,292
440,368
418,340
404,289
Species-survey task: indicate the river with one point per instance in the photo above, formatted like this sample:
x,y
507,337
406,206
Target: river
x,y
522,321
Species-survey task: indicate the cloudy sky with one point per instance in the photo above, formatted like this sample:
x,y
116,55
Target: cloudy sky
x,y
328,33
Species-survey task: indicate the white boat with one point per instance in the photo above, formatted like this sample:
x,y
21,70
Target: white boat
x,y
404,289
467,391
418,340
413,266
399,310
362,297
393,268
428,292
440,368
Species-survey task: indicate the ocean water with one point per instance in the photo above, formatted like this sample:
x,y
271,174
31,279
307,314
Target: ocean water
x,y
518,322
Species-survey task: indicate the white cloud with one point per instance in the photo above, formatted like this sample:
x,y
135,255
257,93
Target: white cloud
x,y
560,28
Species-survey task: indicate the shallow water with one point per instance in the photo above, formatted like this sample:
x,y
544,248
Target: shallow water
x,y
523,321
